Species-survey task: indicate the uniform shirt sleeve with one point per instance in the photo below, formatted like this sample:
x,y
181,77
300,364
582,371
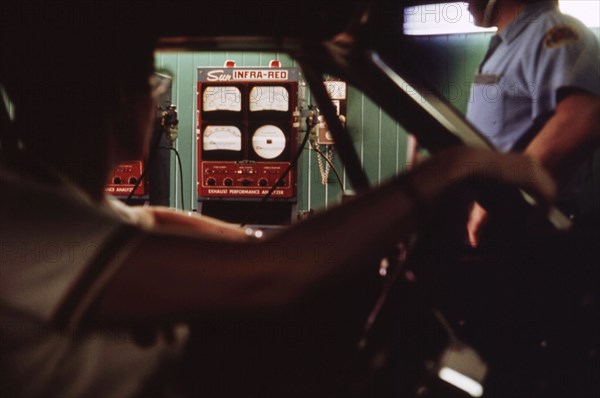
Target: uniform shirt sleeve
x,y
564,62
48,239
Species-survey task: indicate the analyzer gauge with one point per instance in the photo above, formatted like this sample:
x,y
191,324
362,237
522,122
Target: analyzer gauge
x,y
222,138
268,141
336,89
269,98
221,98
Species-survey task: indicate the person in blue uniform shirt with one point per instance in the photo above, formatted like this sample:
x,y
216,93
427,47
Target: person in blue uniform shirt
x,y
537,90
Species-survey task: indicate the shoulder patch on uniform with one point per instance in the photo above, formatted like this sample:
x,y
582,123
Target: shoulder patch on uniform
x,y
560,36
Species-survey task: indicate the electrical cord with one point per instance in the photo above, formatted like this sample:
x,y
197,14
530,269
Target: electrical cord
x,y
337,175
180,172
293,164
148,163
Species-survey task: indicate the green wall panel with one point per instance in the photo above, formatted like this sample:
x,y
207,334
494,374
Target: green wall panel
x,y
389,155
186,143
450,63
371,135
354,122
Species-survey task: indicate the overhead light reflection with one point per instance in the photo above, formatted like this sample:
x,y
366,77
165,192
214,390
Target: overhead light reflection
x,y
461,381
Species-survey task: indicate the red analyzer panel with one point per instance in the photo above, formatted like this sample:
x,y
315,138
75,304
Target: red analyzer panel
x,y
247,132
124,178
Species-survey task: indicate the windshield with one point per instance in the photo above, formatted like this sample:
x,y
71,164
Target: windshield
x,y
215,131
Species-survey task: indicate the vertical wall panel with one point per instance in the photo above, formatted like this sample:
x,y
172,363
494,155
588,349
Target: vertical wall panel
x,y
354,123
250,59
186,78
217,59
371,136
456,60
389,147
170,61
265,57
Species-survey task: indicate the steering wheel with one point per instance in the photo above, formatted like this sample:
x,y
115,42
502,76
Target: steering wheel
x,y
318,347
525,302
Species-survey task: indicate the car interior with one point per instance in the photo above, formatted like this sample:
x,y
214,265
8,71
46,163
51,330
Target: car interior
x,y
515,317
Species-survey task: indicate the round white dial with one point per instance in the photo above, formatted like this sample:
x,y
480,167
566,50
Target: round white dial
x,y
268,141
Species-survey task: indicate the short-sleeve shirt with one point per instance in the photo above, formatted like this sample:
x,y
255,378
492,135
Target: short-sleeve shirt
x,y
49,239
541,53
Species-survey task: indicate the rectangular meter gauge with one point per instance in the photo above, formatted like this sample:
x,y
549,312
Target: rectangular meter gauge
x,y
221,98
269,98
